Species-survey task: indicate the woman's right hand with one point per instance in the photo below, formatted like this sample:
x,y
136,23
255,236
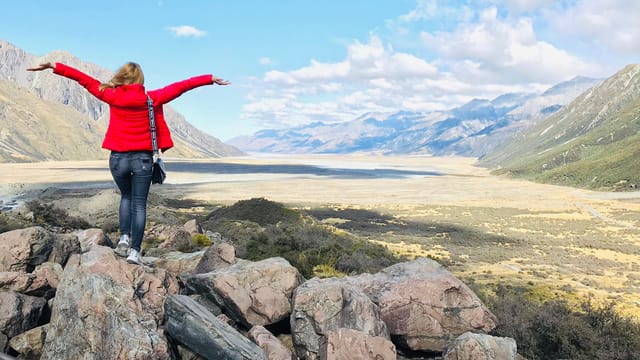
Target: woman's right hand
x,y
219,81
42,67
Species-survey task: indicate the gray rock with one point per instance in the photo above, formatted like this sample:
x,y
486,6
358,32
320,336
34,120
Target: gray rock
x,y
23,249
64,245
190,324
217,256
29,343
91,237
472,346
177,262
19,313
424,306
324,305
106,308
252,293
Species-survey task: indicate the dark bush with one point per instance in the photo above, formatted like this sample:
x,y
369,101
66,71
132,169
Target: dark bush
x,y
257,210
554,330
47,215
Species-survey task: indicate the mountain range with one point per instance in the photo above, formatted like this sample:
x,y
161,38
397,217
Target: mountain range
x,y
473,129
45,117
593,142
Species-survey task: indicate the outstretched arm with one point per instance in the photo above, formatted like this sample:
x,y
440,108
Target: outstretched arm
x,y
170,92
42,67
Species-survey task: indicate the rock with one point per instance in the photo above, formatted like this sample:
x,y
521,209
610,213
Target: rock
x,y
472,346
23,249
178,239
208,304
50,273
29,344
106,308
17,281
4,340
64,245
201,332
177,262
252,293
42,282
217,256
19,313
348,344
91,237
424,306
324,305
272,346
192,227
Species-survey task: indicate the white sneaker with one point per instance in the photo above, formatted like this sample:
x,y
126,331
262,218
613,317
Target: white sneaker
x,y
123,246
134,257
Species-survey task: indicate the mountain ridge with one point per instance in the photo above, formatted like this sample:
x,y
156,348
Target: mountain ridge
x,y
190,142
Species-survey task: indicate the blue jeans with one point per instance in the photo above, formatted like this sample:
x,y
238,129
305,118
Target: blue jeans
x,y
132,173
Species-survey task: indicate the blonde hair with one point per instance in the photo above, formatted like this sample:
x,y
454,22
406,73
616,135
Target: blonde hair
x,y
129,73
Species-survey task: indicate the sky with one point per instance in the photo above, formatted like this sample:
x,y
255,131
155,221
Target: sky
x,y
294,62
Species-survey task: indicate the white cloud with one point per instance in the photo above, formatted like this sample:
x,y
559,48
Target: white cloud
x,y
504,51
186,31
479,50
610,25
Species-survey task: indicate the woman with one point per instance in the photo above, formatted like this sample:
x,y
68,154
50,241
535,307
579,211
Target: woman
x,y
129,139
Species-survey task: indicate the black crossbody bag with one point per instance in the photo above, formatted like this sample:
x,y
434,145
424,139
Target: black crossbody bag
x,y
159,174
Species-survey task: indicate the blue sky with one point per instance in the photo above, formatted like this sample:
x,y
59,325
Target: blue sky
x,y
294,62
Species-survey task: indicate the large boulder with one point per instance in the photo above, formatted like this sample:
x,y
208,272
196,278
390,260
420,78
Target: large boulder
x,y
472,346
64,245
19,312
177,262
106,308
191,325
252,293
322,306
424,306
23,249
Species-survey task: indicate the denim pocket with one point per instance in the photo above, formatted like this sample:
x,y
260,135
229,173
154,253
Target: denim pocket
x,y
143,165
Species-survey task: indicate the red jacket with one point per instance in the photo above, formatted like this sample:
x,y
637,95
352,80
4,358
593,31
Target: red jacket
x,y
129,115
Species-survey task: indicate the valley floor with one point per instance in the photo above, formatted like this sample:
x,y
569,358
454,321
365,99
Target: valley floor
x,y
562,241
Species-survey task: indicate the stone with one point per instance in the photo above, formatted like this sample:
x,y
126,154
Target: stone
x,y
348,344
472,346
19,312
324,305
29,343
64,245
424,306
177,262
273,348
23,249
217,256
252,293
106,308
190,324
92,237
192,227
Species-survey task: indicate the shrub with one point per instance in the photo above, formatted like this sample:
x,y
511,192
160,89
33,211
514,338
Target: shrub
x,y
552,329
47,215
201,240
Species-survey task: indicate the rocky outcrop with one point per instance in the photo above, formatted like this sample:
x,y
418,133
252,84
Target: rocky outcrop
x,y
108,309
105,308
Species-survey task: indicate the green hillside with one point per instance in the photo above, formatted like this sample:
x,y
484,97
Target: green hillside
x,y
591,143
